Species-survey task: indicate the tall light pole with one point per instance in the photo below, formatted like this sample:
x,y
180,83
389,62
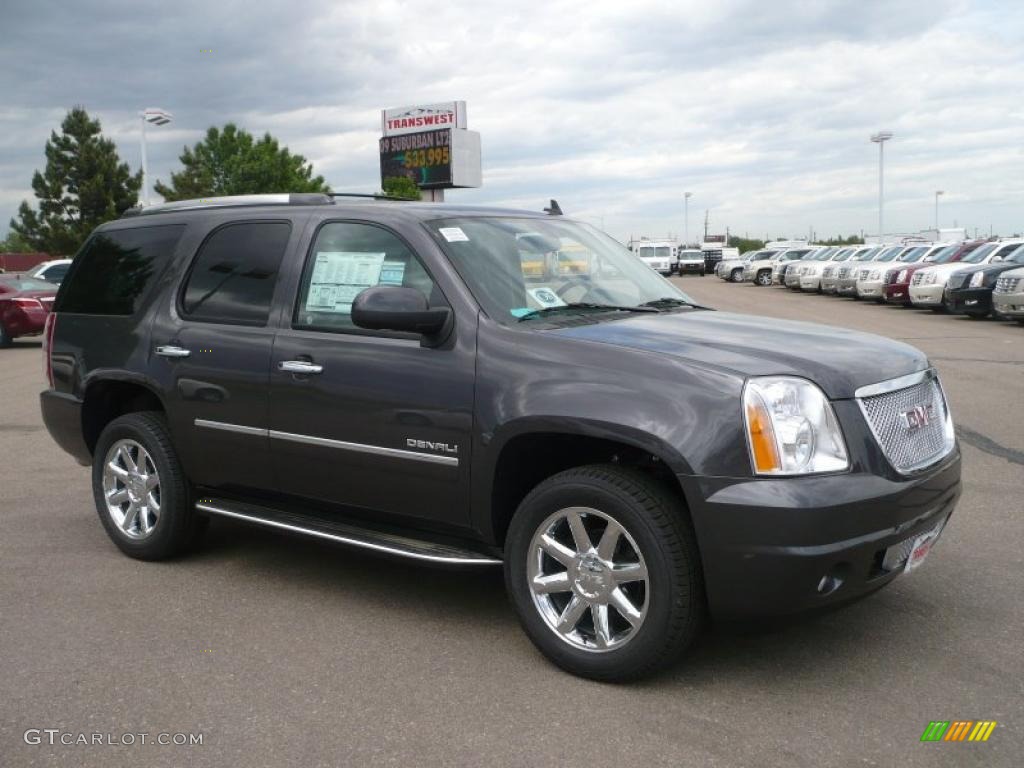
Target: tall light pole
x,y
880,138
156,117
686,218
937,193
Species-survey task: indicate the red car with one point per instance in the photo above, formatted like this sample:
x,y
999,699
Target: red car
x,y
24,304
897,285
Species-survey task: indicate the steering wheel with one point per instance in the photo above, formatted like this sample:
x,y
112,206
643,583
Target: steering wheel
x,y
573,282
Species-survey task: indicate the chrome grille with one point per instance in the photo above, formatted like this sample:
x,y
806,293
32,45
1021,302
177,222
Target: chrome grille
x,y
897,419
864,274
827,272
918,278
957,281
843,272
1007,284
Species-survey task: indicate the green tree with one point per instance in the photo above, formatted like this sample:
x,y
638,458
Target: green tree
x,y
14,243
84,184
745,244
401,186
231,162
838,240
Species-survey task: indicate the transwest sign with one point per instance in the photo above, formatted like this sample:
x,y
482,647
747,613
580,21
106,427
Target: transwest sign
x,y
423,117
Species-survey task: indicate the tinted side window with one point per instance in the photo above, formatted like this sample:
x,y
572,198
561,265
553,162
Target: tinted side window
x,y
114,270
346,259
232,279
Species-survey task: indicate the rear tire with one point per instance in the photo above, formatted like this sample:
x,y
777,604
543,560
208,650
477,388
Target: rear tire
x,y
736,276
654,534
159,520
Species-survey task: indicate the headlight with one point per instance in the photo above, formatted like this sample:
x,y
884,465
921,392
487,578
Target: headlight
x,y
791,427
977,279
902,276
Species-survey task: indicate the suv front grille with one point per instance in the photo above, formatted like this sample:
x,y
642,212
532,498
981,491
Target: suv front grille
x,y
1007,284
957,281
843,272
827,272
910,424
918,278
864,274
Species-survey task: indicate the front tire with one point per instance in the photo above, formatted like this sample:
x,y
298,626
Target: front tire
x,y
601,564
736,276
141,493
763,278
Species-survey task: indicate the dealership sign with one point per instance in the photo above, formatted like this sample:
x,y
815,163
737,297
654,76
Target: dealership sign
x,y
439,159
424,117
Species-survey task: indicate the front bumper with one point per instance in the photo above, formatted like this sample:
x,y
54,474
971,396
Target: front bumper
x,y
846,286
828,284
693,267
929,295
777,546
969,300
1008,304
870,289
811,282
897,293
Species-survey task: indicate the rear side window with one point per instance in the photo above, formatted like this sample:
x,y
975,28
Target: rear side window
x,y
232,279
113,272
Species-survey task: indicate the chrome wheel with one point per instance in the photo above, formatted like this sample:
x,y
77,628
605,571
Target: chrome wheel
x,y
588,579
131,489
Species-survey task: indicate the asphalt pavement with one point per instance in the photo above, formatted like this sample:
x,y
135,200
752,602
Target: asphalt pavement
x,y
279,651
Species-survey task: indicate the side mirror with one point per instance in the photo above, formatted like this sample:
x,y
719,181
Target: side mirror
x,y
395,308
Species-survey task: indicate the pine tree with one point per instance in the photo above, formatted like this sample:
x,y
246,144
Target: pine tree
x,y
231,162
84,184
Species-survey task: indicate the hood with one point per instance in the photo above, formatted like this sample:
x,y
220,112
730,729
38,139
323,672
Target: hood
x,y
836,359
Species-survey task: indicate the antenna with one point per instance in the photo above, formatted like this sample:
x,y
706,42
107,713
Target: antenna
x,y
554,209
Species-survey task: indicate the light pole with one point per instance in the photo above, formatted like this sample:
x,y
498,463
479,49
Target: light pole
x,y
156,117
880,138
937,193
686,218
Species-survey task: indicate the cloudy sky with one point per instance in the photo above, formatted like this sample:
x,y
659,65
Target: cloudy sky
x,y
761,109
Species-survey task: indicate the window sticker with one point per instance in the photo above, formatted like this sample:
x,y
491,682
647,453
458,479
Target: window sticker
x,y
392,273
453,234
546,297
339,276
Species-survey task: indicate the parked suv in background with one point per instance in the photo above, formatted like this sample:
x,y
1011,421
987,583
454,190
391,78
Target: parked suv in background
x,y
52,271
928,284
732,269
969,290
808,268
826,281
759,271
897,285
690,261
384,375
1008,295
871,275
846,276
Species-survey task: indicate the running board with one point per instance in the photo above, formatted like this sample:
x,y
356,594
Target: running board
x,y
344,533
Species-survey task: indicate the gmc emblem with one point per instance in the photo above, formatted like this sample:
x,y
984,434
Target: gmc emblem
x,y
918,416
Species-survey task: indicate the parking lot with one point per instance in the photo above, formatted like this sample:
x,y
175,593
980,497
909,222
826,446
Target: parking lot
x,y
284,651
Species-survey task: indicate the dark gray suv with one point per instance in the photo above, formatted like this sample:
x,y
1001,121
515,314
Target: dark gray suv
x,y
387,375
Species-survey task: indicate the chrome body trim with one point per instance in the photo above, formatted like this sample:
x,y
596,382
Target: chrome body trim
x,y
350,540
243,430
902,382
326,442
395,453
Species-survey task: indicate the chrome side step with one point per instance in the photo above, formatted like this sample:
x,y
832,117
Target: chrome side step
x,y
345,533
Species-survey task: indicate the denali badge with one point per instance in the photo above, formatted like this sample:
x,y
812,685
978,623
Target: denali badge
x,y
918,416
427,445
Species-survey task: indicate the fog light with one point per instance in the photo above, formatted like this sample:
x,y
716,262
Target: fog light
x,y
834,579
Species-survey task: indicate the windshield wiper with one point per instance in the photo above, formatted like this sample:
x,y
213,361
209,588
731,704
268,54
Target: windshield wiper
x,y
671,301
584,305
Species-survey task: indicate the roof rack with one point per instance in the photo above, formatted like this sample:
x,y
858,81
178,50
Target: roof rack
x,y
235,201
230,201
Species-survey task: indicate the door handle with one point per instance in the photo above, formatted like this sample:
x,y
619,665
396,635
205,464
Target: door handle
x,y
169,350
299,366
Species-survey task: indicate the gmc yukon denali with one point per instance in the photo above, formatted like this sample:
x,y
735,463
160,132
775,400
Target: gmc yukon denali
x,y
382,375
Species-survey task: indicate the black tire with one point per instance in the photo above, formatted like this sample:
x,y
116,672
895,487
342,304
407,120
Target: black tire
x,y
763,278
178,527
659,524
976,315
736,276
5,338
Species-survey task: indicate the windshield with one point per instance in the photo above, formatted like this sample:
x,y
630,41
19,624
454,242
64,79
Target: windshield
x,y
979,254
690,255
843,255
913,254
17,283
825,254
947,253
889,253
863,255
490,255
